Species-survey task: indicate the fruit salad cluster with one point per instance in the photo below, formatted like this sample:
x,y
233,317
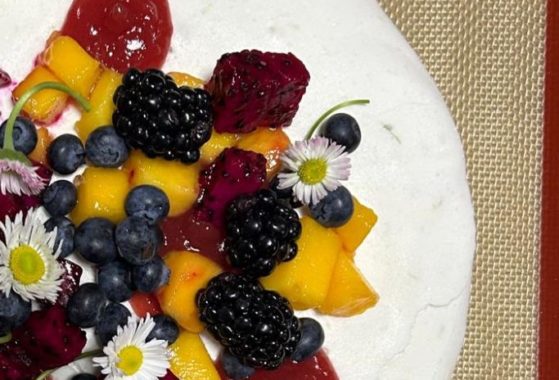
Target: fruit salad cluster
x,y
189,203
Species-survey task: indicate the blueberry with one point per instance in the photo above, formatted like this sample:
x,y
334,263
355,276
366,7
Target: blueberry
x,y
312,339
151,276
234,368
25,135
136,240
113,316
14,311
85,305
60,197
64,234
66,154
84,376
105,148
94,240
335,209
115,280
149,202
343,130
165,329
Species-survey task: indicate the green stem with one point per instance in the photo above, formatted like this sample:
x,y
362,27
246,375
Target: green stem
x,y
331,111
88,354
6,338
8,133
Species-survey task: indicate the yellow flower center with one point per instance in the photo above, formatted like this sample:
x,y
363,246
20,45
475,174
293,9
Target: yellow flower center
x,y
27,265
313,171
131,360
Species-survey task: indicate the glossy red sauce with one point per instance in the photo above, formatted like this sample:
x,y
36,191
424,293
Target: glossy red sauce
x,y
318,367
122,33
144,304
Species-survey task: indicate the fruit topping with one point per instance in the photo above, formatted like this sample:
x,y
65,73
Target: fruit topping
x,y
144,304
137,241
70,281
343,129
252,89
14,311
65,231
94,240
39,154
270,143
122,34
115,280
147,202
60,198
86,305
151,276
155,115
115,315
9,205
261,231
285,194
255,325
234,173
5,79
105,148
24,135
15,363
165,329
184,79
215,145
234,368
66,154
190,359
335,209
358,227
312,338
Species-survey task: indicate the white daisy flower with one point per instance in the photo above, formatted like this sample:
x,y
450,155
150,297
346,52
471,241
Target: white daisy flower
x,y
19,178
313,168
28,263
129,357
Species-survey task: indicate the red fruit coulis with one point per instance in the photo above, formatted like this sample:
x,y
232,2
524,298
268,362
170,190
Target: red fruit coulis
x,y
317,367
122,33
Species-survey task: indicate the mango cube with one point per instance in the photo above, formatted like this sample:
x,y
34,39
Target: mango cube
x,y
305,280
72,64
45,105
39,154
358,227
349,294
184,79
102,106
190,359
190,272
215,145
101,193
270,143
179,181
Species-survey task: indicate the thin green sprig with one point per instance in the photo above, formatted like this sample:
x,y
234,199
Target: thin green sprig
x,y
6,338
337,107
88,354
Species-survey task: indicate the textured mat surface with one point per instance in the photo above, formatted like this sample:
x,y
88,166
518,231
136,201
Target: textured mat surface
x,y
487,58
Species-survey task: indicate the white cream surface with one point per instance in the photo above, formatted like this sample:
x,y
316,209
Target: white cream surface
x,y
410,167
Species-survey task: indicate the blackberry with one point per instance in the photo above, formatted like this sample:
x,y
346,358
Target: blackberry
x,y
163,120
255,325
261,231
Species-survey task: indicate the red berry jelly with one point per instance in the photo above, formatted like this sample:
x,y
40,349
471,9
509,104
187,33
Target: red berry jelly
x,y
122,33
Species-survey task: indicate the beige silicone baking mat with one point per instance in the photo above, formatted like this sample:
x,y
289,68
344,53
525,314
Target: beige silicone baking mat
x,y
487,58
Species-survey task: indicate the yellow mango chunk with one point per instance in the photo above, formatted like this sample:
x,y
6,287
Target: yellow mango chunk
x,y
358,227
39,154
45,105
101,193
190,272
305,280
102,106
72,64
215,145
349,294
179,181
190,359
184,79
270,143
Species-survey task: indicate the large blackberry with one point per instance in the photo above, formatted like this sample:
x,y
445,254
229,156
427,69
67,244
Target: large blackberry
x,y
155,115
255,325
261,231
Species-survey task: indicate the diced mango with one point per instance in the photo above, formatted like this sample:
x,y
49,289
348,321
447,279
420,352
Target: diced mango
x,y
358,227
102,106
215,145
184,79
349,294
101,193
45,105
305,280
190,359
179,181
190,272
72,64
39,154
269,142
